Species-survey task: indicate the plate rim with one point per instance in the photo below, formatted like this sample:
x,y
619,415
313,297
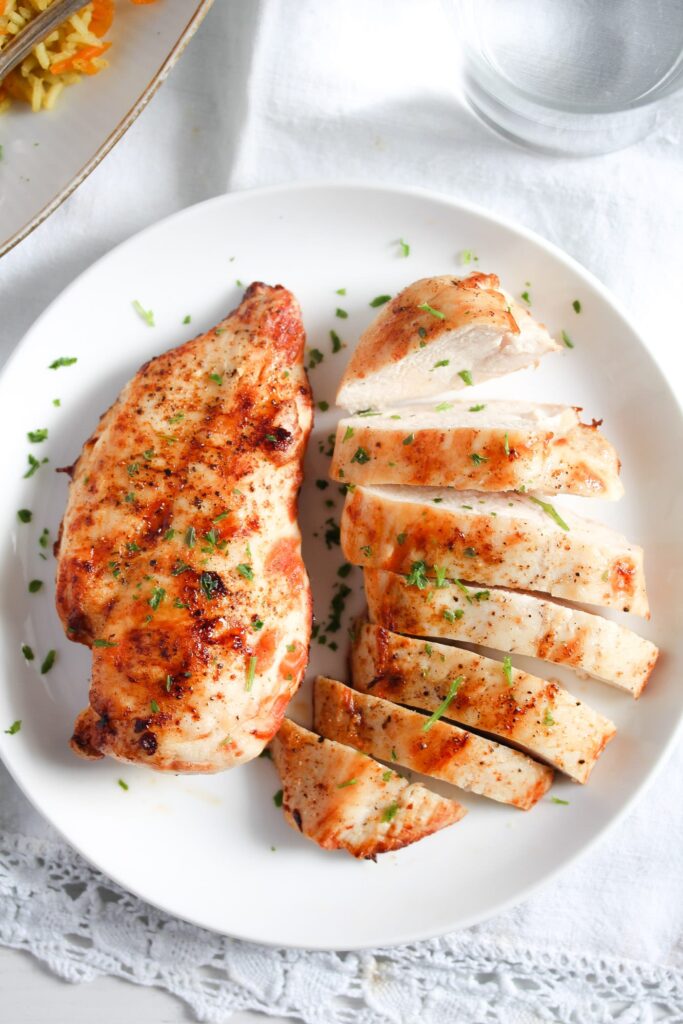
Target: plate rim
x,y
316,185
116,134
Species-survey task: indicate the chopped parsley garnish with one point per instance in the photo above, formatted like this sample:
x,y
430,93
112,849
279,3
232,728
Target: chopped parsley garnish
x,y
245,570
466,376
405,247
277,799
187,318
409,439
477,408
104,643
567,340
380,300
423,334
332,534
401,538
390,812
123,785
525,296
478,459
36,436
387,775
507,669
426,308
550,510
130,498
177,418
576,306
148,454
34,586
348,434
57,402
548,718
361,455
394,755
506,444
179,604
170,534
216,378
558,800
366,550
341,313
24,515
443,406
221,516
14,727
322,485
429,650
482,595
417,577
209,584
315,357
344,570
158,595
133,469
168,684
63,361
349,782
33,466
48,662
44,538
470,552
340,291
132,547
461,586
451,616
323,406
441,581
444,705
27,652
441,362
467,255
257,624
154,707
190,536
145,314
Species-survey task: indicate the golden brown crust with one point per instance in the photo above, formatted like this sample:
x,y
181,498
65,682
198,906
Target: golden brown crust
x,y
179,552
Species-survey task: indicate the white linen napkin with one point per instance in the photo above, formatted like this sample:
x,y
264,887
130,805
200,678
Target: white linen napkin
x,y
273,91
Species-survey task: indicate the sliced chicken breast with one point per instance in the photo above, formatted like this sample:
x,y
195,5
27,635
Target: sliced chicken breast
x,y
506,620
491,446
509,540
342,799
534,714
439,335
428,745
179,557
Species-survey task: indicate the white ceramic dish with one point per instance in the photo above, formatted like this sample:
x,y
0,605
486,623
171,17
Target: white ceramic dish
x,y
202,848
47,155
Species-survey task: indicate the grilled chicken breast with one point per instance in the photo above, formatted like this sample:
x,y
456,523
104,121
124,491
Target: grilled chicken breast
x,y
179,559
342,799
517,623
495,446
437,336
493,697
428,745
508,540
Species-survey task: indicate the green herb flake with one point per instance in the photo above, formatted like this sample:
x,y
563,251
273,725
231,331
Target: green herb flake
x,y
349,782
366,550
245,570
380,300
394,755
341,313
551,511
133,469
145,314
34,465
426,308
27,652
576,306
444,705
390,812
277,799
209,584
158,595
154,707
63,361
477,408
409,439
34,586
323,406
36,436
123,785
315,358
388,775
361,456
466,376
14,728
340,291
24,515
104,643
548,719
48,662
417,577
441,362
506,445
216,378
190,536
467,256
404,246
527,299
470,552
567,340
401,538
441,581
558,800
443,407
507,669
56,402
477,459
348,434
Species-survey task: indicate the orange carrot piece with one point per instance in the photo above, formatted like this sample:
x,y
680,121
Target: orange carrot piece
x,y
102,17
86,53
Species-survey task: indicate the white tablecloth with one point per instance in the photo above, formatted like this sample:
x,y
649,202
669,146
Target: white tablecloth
x,y
273,91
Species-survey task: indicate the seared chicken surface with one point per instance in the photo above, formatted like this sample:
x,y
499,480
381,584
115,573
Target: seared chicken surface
x,y
491,446
439,335
343,800
494,697
179,558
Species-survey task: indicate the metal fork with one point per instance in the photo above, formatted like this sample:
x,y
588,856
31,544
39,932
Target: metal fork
x,y
35,31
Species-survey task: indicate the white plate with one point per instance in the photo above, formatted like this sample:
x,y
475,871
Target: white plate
x,y
47,155
201,848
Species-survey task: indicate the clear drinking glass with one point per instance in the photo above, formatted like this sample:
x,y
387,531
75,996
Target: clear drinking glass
x,y
574,77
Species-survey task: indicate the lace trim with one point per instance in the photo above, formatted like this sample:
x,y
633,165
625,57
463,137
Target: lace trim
x,y
57,907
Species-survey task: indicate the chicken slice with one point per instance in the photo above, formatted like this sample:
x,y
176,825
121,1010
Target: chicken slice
x,y
441,334
496,446
509,540
506,620
179,559
428,745
342,799
535,714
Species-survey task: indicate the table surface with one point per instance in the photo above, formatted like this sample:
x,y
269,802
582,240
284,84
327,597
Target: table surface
x,y
28,988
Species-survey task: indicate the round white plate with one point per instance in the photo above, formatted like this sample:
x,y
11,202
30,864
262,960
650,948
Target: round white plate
x,y
46,156
215,850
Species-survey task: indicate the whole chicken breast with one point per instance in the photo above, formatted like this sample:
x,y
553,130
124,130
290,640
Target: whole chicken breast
x,y
179,558
439,335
